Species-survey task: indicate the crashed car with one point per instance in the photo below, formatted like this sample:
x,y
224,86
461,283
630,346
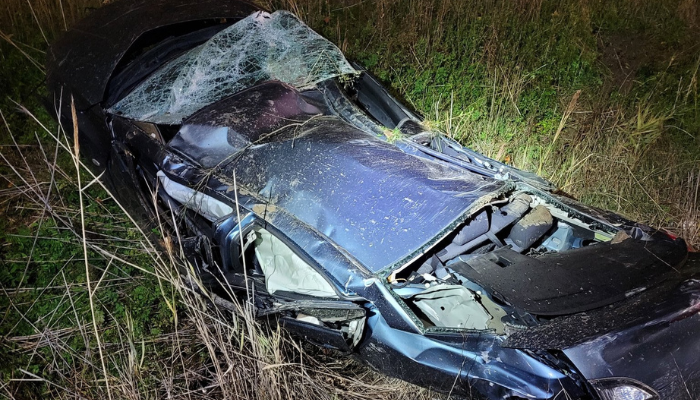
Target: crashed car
x,y
301,185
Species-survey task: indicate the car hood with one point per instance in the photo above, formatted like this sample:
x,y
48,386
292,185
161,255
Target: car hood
x,y
651,338
577,280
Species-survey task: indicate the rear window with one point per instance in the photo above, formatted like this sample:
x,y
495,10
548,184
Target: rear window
x,y
260,47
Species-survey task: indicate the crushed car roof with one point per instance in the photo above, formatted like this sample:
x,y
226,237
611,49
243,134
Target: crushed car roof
x,y
380,204
106,36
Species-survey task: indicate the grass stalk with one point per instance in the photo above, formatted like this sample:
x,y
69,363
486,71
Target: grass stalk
x,y
76,158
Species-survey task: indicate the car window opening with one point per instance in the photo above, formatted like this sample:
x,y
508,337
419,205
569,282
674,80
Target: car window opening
x,y
156,47
209,207
290,279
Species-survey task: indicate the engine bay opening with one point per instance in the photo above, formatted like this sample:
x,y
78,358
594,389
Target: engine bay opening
x,y
524,225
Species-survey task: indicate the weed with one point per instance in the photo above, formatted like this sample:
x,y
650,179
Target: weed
x,y
392,135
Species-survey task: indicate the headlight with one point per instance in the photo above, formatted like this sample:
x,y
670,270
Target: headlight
x,y
623,389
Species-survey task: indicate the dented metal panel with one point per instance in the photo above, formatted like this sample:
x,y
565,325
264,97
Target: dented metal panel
x,y
664,303
661,350
369,197
467,363
576,280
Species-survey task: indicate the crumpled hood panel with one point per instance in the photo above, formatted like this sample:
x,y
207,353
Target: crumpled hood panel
x,y
576,280
660,351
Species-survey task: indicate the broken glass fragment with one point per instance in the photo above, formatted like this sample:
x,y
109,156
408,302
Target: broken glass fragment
x,y
258,48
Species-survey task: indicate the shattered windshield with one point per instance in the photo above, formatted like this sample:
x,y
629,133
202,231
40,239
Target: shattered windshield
x,y
261,47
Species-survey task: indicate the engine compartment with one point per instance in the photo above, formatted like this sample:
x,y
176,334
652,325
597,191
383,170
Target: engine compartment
x,y
526,223
523,226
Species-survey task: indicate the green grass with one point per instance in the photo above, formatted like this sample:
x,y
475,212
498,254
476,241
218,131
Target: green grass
x,y
601,97
42,268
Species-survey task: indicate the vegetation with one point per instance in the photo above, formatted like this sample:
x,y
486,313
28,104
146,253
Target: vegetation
x,y
600,97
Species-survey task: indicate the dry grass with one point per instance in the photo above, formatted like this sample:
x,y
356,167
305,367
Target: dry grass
x,y
50,17
607,158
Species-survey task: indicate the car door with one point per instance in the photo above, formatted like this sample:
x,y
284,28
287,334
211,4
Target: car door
x,y
285,284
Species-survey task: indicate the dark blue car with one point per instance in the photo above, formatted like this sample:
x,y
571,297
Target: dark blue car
x,y
298,184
